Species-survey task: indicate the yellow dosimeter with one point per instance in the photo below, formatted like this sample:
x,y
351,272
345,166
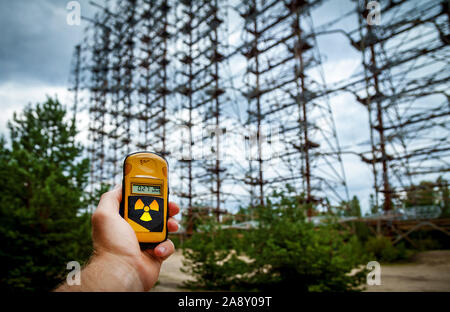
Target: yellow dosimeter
x,y
145,197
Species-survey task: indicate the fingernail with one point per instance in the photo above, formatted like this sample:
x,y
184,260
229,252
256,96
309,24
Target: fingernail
x,y
162,250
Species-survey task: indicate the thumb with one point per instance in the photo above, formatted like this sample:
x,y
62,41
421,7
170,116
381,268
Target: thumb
x,y
110,201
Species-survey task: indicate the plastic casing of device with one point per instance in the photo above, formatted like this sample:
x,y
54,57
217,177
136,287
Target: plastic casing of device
x,y
150,169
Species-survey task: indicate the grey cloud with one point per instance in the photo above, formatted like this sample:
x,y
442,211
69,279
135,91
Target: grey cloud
x,y
36,44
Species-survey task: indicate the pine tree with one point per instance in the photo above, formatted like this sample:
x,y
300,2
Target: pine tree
x,y
445,197
373,205
351,208
355,207
41,199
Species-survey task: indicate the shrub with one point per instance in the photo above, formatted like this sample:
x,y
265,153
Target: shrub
x,y
428,243
381,249
211,259
284,252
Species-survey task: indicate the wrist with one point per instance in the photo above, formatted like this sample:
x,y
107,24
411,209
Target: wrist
x,y
106,272
116,272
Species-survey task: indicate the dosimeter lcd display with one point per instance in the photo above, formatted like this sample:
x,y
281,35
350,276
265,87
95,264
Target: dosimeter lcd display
x,y
146,189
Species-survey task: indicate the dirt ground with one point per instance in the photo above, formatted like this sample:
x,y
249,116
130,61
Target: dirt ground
x,y
427,271
170,277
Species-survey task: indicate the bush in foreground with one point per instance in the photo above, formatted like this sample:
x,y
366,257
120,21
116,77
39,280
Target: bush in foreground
x,y
284,252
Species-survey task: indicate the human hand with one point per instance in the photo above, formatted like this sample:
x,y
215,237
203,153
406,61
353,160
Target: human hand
x,y
114,236
118,263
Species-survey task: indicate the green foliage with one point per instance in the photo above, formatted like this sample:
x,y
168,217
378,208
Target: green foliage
x,y
361,231
355,207
444,191
381,249
176,240
211,258
284,252
351,208
41,200
374,209
428,193
199,215
427,243
421,195
429,240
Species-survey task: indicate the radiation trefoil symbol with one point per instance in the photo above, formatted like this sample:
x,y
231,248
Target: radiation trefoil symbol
x,y
146,215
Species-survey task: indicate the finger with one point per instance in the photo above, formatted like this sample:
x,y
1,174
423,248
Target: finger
x,y
172,225
110,201
164,250
173,209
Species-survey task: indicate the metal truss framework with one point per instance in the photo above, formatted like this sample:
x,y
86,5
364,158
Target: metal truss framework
x,y
171,77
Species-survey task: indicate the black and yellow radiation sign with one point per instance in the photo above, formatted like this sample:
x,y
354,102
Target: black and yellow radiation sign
x,y
147,211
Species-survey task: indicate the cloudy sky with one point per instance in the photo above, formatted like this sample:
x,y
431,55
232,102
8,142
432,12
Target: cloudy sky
x,y
36,46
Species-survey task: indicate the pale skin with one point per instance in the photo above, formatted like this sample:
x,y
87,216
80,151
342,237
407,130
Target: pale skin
x,y
118,263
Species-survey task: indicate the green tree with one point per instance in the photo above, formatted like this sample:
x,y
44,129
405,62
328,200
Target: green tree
x,y
355,207
291,253
421,195
374,209
284,252
445,197
211,257
41,199
351,208
381,249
